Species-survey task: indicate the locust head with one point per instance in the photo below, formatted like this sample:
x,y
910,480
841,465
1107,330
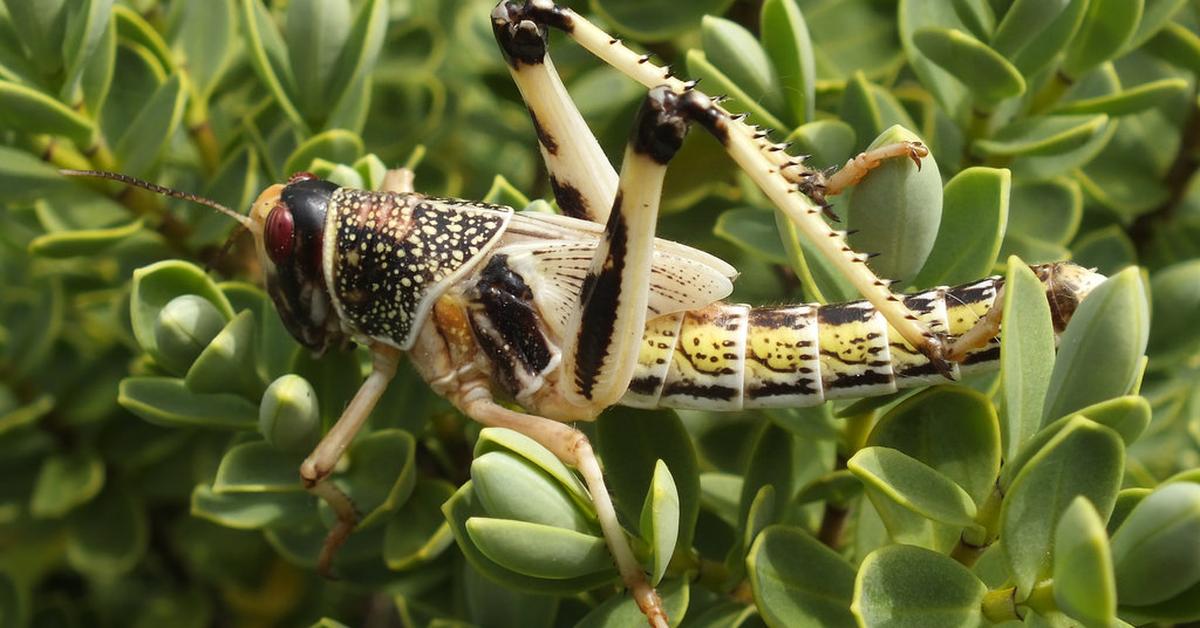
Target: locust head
x,y
1067,285
288,223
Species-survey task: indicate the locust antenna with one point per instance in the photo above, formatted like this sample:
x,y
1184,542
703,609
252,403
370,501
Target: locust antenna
x,y
153,187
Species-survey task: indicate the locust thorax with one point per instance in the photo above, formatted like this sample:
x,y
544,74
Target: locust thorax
x,y
288,221
1067,285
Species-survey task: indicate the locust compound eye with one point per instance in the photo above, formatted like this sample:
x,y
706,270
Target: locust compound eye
x,y
279,235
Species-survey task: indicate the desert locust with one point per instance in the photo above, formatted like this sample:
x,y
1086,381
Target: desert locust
x,y
569,314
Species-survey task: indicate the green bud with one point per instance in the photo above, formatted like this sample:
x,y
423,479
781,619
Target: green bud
x,y
289,417
183,329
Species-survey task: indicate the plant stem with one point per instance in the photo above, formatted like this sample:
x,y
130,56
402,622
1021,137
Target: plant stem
x,y
854,435
972,544
1050,93
1000,605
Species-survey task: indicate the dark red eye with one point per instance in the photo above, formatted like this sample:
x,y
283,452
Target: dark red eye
x,y
280,232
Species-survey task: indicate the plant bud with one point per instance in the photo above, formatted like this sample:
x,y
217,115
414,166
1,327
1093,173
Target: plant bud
x,y
289,417
183,329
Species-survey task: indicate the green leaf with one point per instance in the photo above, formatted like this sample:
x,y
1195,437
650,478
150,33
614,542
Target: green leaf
x,y
871,110
903,585
952,429
1039,136
315,33
418,533
167,401
619,611
65,481
228,364
538,550
510,487
251,511
1155,16
464,507
1026,355
753,230
1107,250
822,282
108,536
1126,102
504,193
268,57
1033,32
1083,570
798,581
631,443
903,234
1176,45
830,142
917,14
1083,459
41,26
205,35
837,487
655,20
1111,327
1128,416
335,377
506,440
787,42
28,110
258,467
977,16
1175,302
337,146
660,520
772,463
82,242
739,99
873,50
1155,551
351,77
986,73
974,214
913,485
156,285
1106,27
1047,210
381,474
146,136
737,54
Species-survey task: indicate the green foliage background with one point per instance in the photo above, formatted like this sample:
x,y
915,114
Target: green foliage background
x,y
136,486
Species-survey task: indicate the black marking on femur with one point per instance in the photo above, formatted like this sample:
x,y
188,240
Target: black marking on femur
x,y
392,250
570,200
508,302
779,389
709,391
700,109
843,313
660,125
600,295
865,378
547,140
521,40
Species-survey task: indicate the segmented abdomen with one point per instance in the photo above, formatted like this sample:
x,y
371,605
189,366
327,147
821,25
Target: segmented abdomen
x,y
729,356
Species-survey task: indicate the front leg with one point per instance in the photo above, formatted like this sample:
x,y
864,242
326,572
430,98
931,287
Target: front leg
x,y
605,332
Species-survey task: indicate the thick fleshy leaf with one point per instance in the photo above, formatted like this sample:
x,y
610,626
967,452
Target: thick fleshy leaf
x,y
871,110
464,506
268,57
873,52
1177,45
621,610
40,26
251,511
1111,327
830,142
658,19
1083,459
738,99
1046,135
503,439
66,481
797,580
337,146
893,475
205,33
316,32
381,474
504,193
1175,294
986,73
25,109
752,230
491,602
1155,552
289,416
83,242
631,443
510,487
147,135
1026,355
228,364
350,79
258,467
1033,32
1083,570
952,429
1126,102
772,462
167,401
538,550
785,37
917,14
418,532
902,585
1047,210
1155,16
895,211
977,16
1107,250
974,214
738,55
157,285
335,377
660,520
108,536
1106,27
